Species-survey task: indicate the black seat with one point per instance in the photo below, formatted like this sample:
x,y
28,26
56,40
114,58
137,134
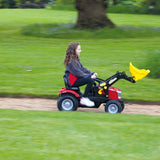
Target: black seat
x,y
68,86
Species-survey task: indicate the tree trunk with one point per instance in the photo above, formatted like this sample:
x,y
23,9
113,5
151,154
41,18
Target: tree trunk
x,y
92,14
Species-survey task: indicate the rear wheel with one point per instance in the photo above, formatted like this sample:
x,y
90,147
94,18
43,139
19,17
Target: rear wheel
x,y
67,103
113,106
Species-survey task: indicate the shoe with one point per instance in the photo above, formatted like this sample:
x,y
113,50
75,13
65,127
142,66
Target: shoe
x,y
87,102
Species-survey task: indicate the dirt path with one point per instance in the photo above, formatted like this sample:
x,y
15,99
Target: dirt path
x,y
51,105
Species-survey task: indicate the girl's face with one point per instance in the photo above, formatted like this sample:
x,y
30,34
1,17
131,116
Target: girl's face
x,y
78,50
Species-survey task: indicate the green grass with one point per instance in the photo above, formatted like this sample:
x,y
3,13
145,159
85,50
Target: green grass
x,y
44,56
38,135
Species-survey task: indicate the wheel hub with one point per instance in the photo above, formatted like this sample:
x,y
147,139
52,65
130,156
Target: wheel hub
x,y
112,108
67,104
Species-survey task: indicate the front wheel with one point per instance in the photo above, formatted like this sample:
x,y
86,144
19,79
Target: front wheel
x,y
67,103
113,106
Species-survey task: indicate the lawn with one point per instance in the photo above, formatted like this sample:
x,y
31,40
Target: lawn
x,y
38,135
34,65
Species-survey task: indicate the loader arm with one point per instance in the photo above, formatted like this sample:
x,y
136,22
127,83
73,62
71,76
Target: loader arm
x,y
113,79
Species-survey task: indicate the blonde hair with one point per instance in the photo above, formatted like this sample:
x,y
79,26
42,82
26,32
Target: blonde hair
x,y
71,53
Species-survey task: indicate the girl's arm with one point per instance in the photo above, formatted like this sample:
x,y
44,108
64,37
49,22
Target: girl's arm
x,y
78,70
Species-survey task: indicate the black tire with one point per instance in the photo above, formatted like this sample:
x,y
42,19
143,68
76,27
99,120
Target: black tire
x,y
113,106
122,105
67,103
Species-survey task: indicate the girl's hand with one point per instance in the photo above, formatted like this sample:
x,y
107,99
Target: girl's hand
x,y
94,75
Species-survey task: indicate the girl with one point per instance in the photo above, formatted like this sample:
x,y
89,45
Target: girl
x,y
78,75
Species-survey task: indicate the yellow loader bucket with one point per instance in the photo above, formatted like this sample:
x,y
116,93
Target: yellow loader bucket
x,y
138,74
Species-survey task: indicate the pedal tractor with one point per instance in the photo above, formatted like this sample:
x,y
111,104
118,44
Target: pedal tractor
x,y
102,92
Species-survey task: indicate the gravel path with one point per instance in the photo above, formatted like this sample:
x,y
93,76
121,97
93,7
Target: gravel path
x,y
51,105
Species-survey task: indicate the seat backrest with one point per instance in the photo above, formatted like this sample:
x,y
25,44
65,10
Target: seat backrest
x,y
66,81
68,85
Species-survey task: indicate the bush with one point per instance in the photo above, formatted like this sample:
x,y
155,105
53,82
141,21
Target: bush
x,y
152,62
23,4
61,5
120,8
57,6
154,9
32,5
135,7
7,3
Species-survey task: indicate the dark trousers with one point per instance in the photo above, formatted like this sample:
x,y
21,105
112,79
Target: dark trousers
x,y
82,81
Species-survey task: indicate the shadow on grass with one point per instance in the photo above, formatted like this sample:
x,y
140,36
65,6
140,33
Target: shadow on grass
x,y
68,31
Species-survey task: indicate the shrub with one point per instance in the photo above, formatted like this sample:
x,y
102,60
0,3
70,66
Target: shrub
x,y
57,6
152,62
61,5
23,3
7,3
32,5
135,7
120,8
